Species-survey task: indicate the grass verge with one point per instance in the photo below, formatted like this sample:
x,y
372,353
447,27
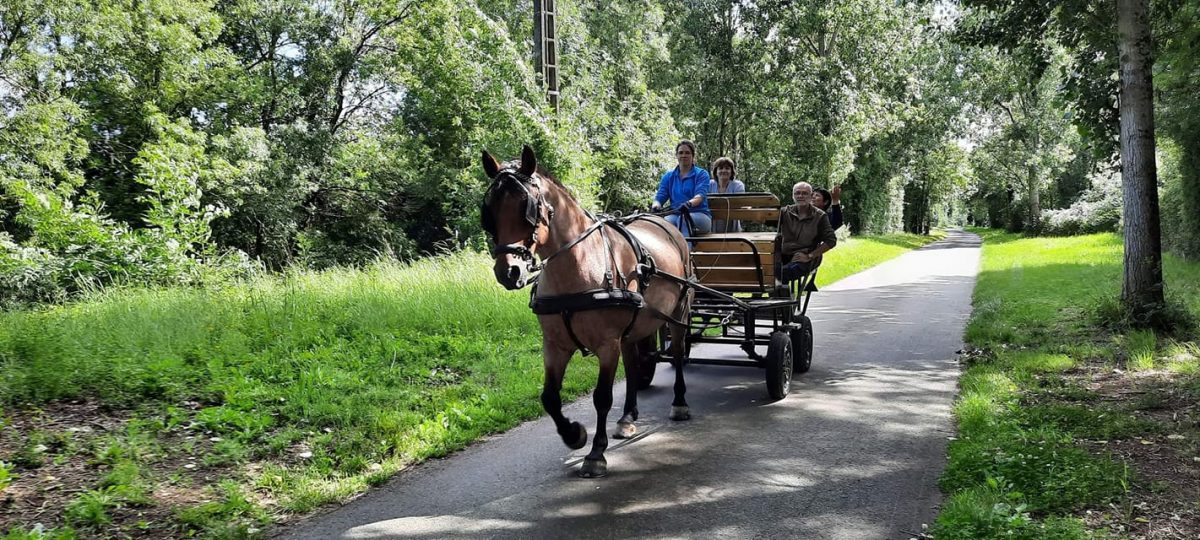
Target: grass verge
x,y
1068,429
215,413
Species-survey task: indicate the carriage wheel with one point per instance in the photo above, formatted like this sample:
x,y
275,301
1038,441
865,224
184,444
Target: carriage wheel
x,y
646,363
779,365
802,344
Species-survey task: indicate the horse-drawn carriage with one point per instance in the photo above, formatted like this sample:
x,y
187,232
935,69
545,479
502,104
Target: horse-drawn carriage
x,y
615,286
740,298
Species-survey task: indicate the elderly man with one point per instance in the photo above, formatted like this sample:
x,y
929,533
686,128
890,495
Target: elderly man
x,y
805,232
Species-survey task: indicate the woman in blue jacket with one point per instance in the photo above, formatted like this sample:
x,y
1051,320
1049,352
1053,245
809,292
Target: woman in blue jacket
x,y
685,188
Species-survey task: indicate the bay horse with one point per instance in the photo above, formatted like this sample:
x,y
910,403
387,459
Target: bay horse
x,y
605,285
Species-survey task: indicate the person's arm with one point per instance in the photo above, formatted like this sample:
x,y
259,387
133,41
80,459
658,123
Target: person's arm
x,y
702,184
828,238
827,241
663,191
736,186
835,216
835,210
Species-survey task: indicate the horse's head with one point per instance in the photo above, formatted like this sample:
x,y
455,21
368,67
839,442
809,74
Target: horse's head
x,y
516,216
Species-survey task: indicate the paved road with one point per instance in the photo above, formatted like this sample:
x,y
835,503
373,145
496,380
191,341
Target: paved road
x,y
854,452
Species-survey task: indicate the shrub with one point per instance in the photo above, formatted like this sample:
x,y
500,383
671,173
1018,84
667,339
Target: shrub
x,y
1097,210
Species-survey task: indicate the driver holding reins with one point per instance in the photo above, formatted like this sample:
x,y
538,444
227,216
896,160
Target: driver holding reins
x,y
685,188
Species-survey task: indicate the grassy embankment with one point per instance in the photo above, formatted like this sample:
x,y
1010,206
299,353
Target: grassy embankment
x,y
1069,426
162,413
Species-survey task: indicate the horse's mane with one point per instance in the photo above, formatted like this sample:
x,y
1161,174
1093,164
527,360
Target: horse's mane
x,y
544,173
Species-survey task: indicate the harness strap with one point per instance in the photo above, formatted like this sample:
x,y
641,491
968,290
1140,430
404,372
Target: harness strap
x,y
609,282
586,233
566,317
567,305
611,296
583,301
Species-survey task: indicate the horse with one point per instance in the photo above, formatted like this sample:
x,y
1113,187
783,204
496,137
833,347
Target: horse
x,y
605,286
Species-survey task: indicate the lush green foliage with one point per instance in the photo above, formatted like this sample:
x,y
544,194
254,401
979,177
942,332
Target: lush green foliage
x,y
270,134
371,370
1060,101
184,142
1016,469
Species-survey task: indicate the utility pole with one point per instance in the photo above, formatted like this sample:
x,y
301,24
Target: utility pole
x,y
545,49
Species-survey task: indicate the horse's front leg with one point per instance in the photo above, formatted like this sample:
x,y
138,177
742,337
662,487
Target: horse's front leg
x,y
679,407
631,354
573,434
594,465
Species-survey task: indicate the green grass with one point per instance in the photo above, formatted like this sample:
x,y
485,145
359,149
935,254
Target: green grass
x,y
369,371
1017,468
302,389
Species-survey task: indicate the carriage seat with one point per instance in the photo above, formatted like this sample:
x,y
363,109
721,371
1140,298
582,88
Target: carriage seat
x,y
743,261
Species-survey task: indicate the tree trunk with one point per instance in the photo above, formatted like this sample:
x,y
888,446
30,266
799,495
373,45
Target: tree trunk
x,y
1142,289
1033,223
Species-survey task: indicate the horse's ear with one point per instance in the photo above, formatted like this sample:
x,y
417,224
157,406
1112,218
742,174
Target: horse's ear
x,y
490,165
528,161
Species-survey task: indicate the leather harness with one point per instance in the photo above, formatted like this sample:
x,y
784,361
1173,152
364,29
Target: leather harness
x,y
615,292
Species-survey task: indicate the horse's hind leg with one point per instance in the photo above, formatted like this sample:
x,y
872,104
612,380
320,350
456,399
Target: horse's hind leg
x,y
631,354
679,407
594,465
573,434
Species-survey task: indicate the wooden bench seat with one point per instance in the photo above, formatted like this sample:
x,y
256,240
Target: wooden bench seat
x,y
738,262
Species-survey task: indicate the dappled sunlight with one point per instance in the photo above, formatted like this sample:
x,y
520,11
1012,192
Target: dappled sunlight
x,y
436,527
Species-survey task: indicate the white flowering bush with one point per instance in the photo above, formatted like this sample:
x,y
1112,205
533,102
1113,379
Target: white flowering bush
x,y
1097,210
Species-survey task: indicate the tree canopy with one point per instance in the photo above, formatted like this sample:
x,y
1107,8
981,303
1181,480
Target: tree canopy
x,y
185,141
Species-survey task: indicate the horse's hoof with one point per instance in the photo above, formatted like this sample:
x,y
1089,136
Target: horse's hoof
x,y
679,413
581,440
625,430
594,468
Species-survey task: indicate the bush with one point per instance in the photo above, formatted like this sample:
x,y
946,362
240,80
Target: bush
x,y
1097,210
70,245
1179,175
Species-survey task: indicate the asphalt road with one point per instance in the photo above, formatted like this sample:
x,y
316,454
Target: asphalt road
x,y
854,452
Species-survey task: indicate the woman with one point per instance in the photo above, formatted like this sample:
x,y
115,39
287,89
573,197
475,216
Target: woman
x,y
830,203
685,188
724,170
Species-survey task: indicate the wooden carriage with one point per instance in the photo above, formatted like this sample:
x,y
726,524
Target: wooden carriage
x,y
740,297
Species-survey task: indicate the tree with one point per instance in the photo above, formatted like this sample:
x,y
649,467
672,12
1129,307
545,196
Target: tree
x,y
1142,287
1177,84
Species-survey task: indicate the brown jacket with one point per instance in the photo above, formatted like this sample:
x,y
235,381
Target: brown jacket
x,y
802,234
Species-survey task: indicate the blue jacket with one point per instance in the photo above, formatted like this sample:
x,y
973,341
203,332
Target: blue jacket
x,y
678,191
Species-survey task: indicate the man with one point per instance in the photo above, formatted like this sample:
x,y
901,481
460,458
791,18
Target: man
x,y
805,232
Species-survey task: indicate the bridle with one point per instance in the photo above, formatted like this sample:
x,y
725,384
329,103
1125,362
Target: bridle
x,y
534,202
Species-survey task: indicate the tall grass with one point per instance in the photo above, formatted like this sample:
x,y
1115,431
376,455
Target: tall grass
x,y
369,369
